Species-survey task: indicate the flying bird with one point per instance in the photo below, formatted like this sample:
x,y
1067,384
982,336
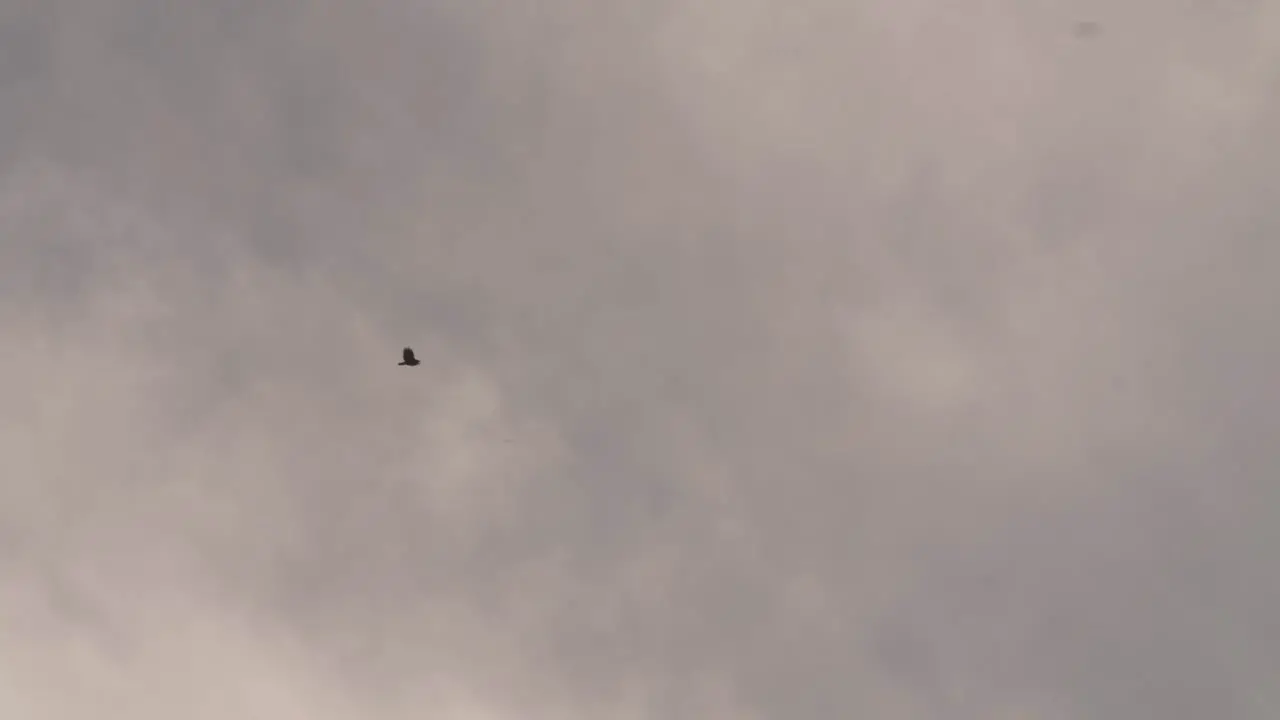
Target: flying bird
x,y
409,359
1087,29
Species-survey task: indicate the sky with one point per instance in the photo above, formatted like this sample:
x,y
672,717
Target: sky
x,y
795,360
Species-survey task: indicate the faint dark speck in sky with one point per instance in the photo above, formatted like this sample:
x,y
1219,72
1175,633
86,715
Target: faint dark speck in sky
x,y
1086,29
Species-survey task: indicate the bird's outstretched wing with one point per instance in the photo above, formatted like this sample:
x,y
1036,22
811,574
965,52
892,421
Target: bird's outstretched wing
x,y
408,355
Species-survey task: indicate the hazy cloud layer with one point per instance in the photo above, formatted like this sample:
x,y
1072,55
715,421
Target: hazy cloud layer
x,y
799,360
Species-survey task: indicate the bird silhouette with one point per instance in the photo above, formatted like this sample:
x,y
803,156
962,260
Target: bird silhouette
x,y
409,359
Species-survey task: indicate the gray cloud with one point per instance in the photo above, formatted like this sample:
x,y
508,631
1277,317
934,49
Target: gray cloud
x,y
798,360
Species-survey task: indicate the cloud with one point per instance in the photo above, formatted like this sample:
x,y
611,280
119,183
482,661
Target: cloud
x,y
790,360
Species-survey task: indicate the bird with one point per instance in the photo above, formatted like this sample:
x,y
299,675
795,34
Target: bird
x,y
409,359
1087,29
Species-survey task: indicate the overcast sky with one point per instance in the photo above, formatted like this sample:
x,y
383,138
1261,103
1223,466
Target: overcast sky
x,y
803,360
